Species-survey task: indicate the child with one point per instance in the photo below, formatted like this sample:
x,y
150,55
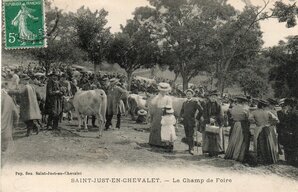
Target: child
x,y
168,121
142,114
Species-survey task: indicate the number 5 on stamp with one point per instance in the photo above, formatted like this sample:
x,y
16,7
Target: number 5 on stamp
x,y
24,24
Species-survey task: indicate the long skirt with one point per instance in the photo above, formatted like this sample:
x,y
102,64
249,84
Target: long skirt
x,y
213,143
239,142
155,131
267,152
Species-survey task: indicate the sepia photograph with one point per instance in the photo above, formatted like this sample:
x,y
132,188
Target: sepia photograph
x,y
149,95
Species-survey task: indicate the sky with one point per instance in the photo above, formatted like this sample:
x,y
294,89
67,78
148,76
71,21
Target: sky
x,y
121,10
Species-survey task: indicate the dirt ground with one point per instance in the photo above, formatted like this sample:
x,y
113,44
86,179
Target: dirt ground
x,y
125,147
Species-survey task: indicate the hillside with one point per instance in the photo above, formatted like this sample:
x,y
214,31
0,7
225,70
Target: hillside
x,y
9,60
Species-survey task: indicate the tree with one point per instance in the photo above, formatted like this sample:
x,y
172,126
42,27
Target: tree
x,y
251,83
60,47
133,48
284,74
239,40
92,34
185,30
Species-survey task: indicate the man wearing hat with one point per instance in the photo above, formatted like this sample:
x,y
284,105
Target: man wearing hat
x,y
53,104
115,94
29,108
187,116
212,144
15,79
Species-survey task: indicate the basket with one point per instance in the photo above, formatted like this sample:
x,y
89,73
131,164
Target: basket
x,y
212,129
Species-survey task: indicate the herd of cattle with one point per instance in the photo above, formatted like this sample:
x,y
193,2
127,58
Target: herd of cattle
x,y
94,103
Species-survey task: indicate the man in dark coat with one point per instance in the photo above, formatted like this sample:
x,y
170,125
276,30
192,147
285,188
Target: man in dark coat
x,y
188,114
53,104
212,144
115,94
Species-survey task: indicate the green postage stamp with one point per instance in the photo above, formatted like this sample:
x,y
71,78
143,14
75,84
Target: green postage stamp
x,y
24,22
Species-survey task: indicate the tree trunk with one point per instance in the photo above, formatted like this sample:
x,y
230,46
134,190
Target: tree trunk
x,y
94,67
185,82
176,77
223,87
47,67
152,73
129,79
211,87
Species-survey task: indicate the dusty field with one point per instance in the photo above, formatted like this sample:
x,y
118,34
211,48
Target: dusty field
x,y
125,147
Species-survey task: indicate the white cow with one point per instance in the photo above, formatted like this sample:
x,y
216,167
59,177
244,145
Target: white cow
x,y
88,103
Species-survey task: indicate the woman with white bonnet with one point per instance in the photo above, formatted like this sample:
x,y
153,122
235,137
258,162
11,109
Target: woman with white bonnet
x,y
158,103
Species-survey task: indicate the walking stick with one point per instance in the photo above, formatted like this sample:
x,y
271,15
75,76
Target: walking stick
x,y
196,134
223,139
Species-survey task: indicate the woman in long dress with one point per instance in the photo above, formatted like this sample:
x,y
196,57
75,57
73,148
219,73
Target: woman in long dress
x,y
265,141
240,136
157,104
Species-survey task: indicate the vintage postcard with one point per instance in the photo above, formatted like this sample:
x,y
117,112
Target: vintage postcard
x,y
149,95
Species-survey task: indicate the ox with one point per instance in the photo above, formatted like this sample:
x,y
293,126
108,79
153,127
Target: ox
x,y
88,103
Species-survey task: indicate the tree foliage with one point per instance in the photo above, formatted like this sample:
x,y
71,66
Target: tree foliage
x,y
93,36
185,30
284,74
60,47
133,48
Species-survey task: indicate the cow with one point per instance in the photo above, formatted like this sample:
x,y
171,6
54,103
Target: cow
x,y
88,103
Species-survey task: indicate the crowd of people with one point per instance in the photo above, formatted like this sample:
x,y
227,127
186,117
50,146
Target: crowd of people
x,y
264,125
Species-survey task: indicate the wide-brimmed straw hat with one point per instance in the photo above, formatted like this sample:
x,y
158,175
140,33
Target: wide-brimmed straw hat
x,y
169,109
272,101
189,91
54,73
263,102
114,81
142,112
241,98
214,92
281,101
25,78
164,87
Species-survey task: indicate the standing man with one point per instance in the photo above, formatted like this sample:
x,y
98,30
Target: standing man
x,y
114,95
15,79
53,105
29,108
188,114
